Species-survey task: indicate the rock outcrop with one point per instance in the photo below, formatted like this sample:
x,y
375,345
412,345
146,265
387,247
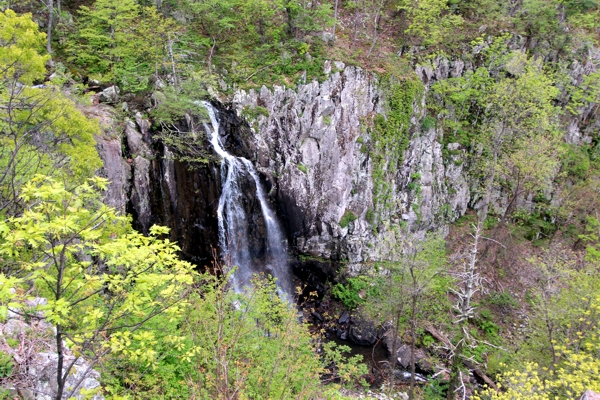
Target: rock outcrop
x,y
311,146
308,143
28,348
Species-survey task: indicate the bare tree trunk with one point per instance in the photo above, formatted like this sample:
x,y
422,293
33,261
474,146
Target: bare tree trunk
x,y
49,28
210,54
470,282
394,355
335,15
60,381
413,339
376,21
170,47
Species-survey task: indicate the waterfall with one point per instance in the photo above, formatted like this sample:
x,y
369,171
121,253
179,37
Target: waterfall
x,y
237,225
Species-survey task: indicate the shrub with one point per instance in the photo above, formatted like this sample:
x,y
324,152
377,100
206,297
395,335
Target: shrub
x,y
348,217
354,292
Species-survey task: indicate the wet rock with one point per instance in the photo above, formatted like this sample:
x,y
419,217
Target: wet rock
x,y
37,365
317,316
389,343
140,192
344,318
362,332
405,376
135,141
421,361
115,168
403,353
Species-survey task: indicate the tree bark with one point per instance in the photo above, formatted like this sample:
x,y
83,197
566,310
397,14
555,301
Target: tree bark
x,y
49,28
335,15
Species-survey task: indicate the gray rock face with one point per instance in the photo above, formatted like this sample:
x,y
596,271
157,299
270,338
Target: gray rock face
x,y
116,169
310,148
35,361
141,186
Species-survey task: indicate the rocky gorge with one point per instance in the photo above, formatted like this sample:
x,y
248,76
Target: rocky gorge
x,y
313,149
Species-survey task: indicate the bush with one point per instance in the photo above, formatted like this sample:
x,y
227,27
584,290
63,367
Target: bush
x,y
428,123
348,217
354,292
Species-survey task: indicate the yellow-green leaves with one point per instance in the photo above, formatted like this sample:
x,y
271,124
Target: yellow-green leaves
x,y
102,279
41,130
430,21
20,43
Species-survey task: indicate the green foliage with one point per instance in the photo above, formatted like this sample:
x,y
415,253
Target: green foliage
x,y
391,134
173,103
6,365
436,389
427,123
259,41
484,321
430,22
302,168
257,349
569,376
41,130
350,371
502,300
576,161
355,292
370,216
20,41
348,217
103,281
511,118
121,42
252,113
536,225
419,273
540,18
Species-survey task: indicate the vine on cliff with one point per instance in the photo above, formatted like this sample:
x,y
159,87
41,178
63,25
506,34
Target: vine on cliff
x,y
391,134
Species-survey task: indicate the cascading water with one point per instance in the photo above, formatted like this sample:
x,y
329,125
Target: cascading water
x,y
236,225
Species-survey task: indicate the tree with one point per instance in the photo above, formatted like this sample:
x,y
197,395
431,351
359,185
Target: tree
x,y
513,121
103,280
418,275
121,42
41,130
249,344
20,41
430,23
521,132
571,375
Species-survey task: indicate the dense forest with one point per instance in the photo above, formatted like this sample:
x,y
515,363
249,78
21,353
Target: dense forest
x,y
496,299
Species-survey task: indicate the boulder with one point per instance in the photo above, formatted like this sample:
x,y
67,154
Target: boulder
x,y
110,95
403,354
403,358
344,318
362,332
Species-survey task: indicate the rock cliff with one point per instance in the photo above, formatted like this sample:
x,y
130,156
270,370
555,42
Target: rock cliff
x,y
309,144
313,147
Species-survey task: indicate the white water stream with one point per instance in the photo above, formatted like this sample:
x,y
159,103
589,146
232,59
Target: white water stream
x,y
234,223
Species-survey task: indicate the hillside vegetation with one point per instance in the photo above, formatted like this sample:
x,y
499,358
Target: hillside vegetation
x,y
512,292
